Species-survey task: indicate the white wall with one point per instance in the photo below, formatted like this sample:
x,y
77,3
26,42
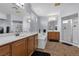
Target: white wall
x,y
78,27
69,8
59,26
33,25
16,17
3,16
26,25
43,23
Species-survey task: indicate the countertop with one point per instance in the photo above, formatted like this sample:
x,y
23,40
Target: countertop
x,y
53,31
8,38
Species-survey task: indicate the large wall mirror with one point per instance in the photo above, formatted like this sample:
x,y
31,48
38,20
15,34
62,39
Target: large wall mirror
x,y
52,23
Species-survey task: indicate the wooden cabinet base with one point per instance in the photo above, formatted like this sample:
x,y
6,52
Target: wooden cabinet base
x,y
18,48
30,45
31,53
22,47
53,36
5,50
36,41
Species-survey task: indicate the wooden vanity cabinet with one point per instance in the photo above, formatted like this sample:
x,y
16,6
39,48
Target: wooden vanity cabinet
x,y
21,47
54,36
36,42
30,45
18,48
26,46
5,50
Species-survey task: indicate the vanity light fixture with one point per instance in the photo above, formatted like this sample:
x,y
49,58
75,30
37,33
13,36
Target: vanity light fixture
x,y
52,18
65,21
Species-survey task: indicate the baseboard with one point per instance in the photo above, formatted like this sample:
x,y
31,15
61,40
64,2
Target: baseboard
x,y
67,44
39,49
31,53
54,40
76,45
70,43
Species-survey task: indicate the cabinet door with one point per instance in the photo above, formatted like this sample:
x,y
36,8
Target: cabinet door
x,y
5,50
26,46
36,41
57,36
18,48
30,45
49,35
53,36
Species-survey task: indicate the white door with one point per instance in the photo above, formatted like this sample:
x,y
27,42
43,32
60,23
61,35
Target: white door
x,y
67,31
75,31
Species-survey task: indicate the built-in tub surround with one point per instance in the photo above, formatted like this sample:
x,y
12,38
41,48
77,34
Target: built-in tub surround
x,y
11,37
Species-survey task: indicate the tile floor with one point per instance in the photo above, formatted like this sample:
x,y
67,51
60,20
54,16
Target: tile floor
x,y
59,49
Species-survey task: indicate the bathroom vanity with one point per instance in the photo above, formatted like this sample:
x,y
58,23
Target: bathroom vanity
x,y
21,45
53,35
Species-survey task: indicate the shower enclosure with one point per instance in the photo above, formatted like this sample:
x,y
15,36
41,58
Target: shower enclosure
x,y
70,29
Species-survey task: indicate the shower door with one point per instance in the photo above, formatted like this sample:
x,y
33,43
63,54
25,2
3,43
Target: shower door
x,y
75,31
67,31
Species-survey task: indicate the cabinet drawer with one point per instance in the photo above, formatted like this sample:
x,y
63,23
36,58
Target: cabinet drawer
x,y
36,41
30,45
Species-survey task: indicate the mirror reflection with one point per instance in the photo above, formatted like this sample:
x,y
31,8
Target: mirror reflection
x,y
52,23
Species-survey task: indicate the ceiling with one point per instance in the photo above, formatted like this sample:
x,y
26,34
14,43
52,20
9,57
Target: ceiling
x,y
45,9
10,8
41,9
